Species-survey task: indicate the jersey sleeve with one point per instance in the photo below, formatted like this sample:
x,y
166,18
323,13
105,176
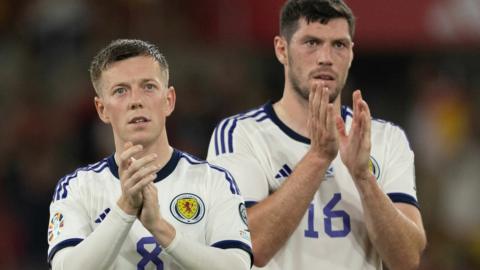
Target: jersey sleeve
x,y
69,221
231,148
399,175
227,221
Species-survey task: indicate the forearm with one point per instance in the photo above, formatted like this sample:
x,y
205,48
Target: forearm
x,y
100,249
274,219
398,239
193,255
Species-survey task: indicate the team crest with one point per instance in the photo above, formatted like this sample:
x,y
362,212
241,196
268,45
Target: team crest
x,y
374,168
55,226
243,212
187,208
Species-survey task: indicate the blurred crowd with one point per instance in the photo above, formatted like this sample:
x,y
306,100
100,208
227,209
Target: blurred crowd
x,y
50,126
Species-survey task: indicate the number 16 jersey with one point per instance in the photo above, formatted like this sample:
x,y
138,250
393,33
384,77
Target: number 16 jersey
x,y
261,152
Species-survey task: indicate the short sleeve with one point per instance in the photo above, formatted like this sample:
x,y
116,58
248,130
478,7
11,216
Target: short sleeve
x,y
227,222
399,176
69,221
241,162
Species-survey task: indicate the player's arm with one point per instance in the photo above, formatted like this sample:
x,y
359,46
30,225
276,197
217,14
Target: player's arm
x,y
396,230
189,254
100,248
273,219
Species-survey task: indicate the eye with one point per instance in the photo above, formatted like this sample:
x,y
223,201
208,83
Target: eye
x,y
119,91
311,42
340,44
150,86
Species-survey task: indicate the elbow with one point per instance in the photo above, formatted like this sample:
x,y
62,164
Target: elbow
x,y
260,261
260,257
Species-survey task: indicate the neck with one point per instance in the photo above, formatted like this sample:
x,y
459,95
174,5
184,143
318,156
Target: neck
x,y
292,109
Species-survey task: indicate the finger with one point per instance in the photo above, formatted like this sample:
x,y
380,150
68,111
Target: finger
x,y
140,185
141,173
323,107
142,162
331,128
312,117
127,154
367,122
316,101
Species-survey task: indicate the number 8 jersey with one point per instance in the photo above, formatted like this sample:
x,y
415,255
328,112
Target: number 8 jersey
x,y
200,200
261,152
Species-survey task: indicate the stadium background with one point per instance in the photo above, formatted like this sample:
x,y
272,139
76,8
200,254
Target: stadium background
x,y
417,62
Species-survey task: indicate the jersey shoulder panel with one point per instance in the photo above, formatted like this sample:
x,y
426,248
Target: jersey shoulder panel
x,y
213,174
65,184
237,129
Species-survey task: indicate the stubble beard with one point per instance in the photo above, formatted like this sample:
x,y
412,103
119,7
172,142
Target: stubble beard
x,y
303,91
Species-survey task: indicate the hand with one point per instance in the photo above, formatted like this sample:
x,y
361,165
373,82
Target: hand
x,y
134,176
150,212
321,124
151,217
355,147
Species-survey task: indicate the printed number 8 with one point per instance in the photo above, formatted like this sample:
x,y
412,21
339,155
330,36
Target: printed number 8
x,y
149,256
329,214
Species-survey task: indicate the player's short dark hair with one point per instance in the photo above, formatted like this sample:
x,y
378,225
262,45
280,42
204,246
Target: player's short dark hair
x,y
313,11
122,49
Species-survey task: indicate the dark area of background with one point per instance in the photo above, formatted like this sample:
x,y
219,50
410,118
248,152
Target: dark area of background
x,y
417,63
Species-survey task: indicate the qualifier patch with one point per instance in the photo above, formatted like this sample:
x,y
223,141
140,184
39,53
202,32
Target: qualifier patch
x,y
243,212
55,226
374,168
187,208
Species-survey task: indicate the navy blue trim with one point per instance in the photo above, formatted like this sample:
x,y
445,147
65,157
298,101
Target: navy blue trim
x,y
249,204
403,198
215,138
61,191
195,161
290,133
161,174
268,107
235,244
65,243
223,136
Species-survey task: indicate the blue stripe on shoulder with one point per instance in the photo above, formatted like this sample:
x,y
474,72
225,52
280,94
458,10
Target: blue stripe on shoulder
x,y
195,161
249,204
224,136
235,244
61,188
403,198
65,243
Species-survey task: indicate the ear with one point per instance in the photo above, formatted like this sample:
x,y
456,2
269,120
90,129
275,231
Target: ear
x,y
100,106
280,45
170,100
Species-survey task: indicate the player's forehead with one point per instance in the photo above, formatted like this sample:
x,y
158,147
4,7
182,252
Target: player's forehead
x,y
132,69
335,28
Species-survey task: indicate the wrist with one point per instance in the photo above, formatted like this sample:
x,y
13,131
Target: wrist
x,y
363,182
125,207
164,232
317,160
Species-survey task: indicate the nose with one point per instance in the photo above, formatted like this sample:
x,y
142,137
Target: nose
x,y
136,99
324,55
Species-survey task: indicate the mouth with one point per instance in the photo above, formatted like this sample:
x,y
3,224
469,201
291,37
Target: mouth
x,y
138,120
324,77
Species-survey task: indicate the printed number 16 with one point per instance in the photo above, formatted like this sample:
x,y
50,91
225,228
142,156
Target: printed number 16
x,y
327,221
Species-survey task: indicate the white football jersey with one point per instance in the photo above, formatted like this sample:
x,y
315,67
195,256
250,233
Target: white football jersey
x,y
261,152
200,200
